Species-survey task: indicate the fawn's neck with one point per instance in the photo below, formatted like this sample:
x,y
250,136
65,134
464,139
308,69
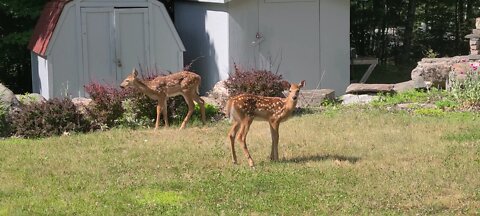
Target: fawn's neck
x,y
143,87
290,105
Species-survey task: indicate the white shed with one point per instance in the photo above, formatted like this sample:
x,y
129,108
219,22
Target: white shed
x,y
304,38
79,41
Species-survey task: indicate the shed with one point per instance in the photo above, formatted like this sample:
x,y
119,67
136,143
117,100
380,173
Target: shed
x,y
79,41
303,39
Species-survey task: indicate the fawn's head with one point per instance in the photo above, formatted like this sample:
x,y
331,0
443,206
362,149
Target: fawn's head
x,y
294,90
128,81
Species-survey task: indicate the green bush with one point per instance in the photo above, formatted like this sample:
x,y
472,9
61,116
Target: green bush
x,y
466,89
54,117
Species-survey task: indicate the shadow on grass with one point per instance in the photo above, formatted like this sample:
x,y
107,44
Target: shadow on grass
x,y
310,158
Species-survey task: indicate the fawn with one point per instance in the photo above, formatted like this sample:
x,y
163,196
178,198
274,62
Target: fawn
x,y
183,83
244,108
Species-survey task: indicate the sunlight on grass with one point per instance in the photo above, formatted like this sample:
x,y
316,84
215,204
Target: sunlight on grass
x,y
341,161
148,196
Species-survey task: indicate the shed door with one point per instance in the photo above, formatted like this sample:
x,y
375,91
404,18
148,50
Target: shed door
x,y
131,39
114,41
98,45
291,38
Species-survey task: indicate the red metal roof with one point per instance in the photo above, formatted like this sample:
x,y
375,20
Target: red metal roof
x,y
46,26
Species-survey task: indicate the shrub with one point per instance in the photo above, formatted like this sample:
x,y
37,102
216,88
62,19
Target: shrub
x,y
466,87
107,104
5,128
258,82
54,117
129,107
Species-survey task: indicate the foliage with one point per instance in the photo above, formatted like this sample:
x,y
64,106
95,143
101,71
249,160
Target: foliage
x,y
410,29
412,96
54,117
131,108
466,87
107,104
5,124
429,112
258,82
17,20
133,117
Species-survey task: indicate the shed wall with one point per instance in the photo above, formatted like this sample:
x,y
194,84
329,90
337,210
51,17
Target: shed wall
x,y
64,58
61,72
243,23
335,44
204,29
40,82
165,54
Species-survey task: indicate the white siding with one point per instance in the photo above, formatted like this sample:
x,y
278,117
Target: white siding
x,y
243,28
167,53
63,58
335,44
68,69
40,82
205,32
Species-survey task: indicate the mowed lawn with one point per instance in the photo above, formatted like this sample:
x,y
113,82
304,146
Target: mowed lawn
x,y
345,162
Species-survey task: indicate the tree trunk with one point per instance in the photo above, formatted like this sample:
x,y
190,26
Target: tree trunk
x,y
407,38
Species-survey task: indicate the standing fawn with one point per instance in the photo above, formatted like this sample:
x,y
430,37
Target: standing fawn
x,y
162,87
244,108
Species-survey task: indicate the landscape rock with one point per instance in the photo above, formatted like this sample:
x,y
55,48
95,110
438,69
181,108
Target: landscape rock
x,y
436,70
81,104
350,99
315,97
410,85
218,96
359,88
7,97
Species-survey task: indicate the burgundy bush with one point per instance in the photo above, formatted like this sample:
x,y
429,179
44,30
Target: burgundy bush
x,y
54,117
258,82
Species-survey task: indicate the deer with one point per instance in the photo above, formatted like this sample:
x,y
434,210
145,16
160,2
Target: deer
x,y
183,83
244,108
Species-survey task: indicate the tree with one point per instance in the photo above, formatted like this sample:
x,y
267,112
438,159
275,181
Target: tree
x,y
17,20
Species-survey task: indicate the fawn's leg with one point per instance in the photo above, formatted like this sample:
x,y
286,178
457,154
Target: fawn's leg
x,y
159,109
242,136
201,103
231,136
191,107
274,132
164,112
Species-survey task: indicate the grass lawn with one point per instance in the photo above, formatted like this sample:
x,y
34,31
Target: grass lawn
x,y
348,161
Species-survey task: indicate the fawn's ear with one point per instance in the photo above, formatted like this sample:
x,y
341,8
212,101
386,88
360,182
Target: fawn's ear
x,y
134,72
302,84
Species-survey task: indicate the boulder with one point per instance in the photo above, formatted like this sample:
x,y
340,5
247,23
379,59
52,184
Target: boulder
x,y
219,95
315,97
81,104
359,88
350,99
410,85
7,97
436,70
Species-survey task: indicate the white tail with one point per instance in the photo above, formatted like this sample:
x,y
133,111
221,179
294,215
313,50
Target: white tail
x,y
244,108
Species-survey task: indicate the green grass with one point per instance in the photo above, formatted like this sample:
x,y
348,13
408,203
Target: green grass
x,y
339,162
